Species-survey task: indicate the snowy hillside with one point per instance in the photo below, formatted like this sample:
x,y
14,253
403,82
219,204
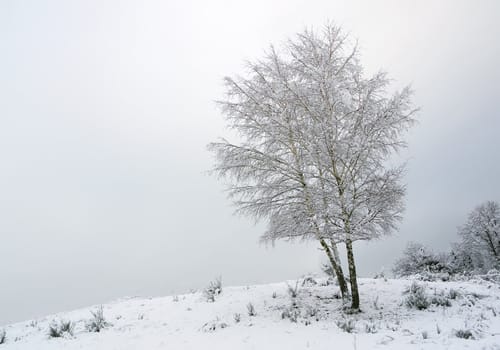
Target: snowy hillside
x,y
313,319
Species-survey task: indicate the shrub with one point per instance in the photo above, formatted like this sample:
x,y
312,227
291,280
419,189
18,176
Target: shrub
x,y
292,313
237,317
462,261
61,329
274,295
440,300
3,336
453,294
311,312
418,259
417,297
464,334
371,327
67,327
97,322
346,325
309,281
491,276
293,291
380,275
213,289
251,310
212,326
433,276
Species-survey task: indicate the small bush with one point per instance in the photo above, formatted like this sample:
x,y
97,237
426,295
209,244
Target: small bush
x,y
251,310
67,327
293,291
425,335
380,275
432,276
418,259
453,294
274,295
417,297
291,313
61,329
311,312
212,326
97,322
371,327
294,315
309,282
213,290
3,336
464,334
346,325
237,318
440,300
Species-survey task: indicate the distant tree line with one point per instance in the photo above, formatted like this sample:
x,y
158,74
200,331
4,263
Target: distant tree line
x,y
476,252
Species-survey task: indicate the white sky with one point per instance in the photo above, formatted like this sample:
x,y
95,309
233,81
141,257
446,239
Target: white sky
x,y
106,108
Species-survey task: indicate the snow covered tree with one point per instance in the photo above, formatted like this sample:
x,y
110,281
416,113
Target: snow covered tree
x,y
481,236
460,259
417,258
268,168
316,135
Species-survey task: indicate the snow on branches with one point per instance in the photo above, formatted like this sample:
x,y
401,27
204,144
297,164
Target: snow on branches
x,y
315,135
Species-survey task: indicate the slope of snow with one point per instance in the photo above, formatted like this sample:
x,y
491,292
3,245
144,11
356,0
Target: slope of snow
x,y
189,322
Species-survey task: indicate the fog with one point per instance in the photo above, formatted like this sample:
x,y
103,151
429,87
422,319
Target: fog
x,y
106,108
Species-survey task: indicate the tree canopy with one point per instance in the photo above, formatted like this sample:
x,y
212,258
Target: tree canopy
x,y
315,136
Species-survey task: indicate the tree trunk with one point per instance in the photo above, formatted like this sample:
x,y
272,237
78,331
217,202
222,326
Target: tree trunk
x,y
336,257
337,268
335,263
352,275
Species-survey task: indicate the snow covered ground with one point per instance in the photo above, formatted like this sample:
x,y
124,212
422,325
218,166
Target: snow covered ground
x,y
314,319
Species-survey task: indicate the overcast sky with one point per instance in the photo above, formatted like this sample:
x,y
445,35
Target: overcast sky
x,y
106,108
